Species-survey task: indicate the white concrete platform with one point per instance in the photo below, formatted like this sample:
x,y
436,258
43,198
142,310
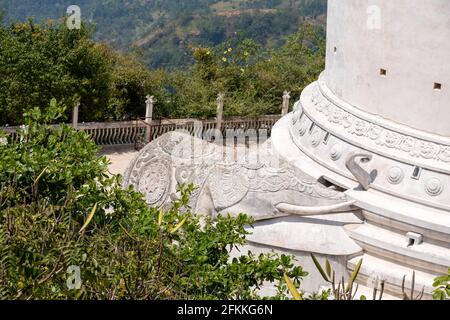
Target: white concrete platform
x,y
391,245
323,235
374,269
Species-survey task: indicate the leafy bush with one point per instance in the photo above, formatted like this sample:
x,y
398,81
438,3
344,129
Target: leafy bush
x,y
60,210
442,287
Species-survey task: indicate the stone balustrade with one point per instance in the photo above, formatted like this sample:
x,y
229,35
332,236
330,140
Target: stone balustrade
x,y
201,127
134,132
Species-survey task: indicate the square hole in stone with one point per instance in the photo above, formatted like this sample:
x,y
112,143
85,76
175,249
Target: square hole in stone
x,y
383,72
437,86
416,173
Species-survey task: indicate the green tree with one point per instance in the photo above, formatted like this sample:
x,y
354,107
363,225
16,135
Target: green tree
x,y
131,82
252,79
41,62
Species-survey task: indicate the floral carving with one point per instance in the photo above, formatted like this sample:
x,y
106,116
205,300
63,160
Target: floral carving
x,y
407,144
361,128
427,150
374,133
444,155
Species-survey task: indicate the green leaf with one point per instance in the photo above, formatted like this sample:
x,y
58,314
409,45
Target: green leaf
x,y
160,217
328,268
354,275
40,175
91,215
292,289
319,268
178,226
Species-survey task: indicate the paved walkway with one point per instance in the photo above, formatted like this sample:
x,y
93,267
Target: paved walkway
x,y
120,157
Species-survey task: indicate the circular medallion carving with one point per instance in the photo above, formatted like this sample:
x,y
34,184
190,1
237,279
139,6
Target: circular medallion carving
x,y
336,152
434,187
154,181
396,175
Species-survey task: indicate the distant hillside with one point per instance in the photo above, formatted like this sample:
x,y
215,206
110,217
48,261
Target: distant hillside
x,y
162,30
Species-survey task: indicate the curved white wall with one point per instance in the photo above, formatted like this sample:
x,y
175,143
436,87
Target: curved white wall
x,y
412,44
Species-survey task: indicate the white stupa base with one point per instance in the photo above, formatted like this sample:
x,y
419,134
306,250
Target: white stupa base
x,y
389,210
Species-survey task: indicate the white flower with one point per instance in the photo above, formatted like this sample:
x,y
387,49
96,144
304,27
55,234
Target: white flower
x,y
3,141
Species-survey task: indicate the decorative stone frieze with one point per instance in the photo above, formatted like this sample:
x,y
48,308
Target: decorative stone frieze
x,y
396,152
373,134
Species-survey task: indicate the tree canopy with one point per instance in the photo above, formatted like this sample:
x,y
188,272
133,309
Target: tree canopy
x,y
39,62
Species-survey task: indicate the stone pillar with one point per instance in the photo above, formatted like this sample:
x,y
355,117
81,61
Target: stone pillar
x,y
149,103
75,112
220,103
286,99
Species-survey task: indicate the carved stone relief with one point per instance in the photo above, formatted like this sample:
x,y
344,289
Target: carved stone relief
x,y
411,146
253,188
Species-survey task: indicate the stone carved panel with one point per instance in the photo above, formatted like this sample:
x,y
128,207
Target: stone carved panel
x,y
243,187
228,186
397,152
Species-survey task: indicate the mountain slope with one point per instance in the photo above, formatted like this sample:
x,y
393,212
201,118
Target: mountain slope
x,y
162,30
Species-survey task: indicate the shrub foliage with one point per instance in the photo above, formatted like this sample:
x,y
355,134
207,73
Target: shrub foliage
x,y
60,209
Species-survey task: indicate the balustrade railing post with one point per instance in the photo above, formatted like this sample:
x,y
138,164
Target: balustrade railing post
x,y
286,99
220,103
149,103
75,111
